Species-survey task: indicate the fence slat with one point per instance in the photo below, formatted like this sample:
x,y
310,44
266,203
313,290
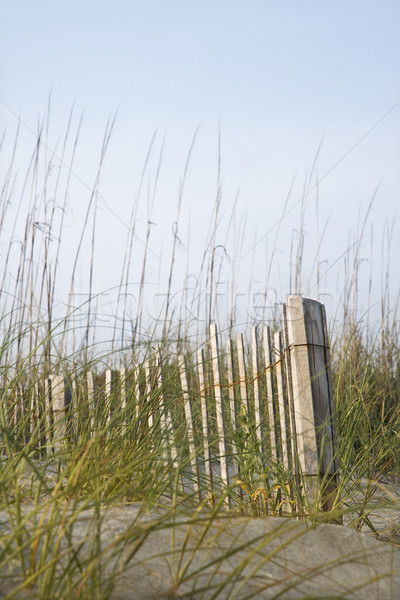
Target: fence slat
x,y
219,407
136,383
230,372
47,416
242,372
284,418
290,392
256,386
35,416
122,381
59,410
23,413
147,374
189,422
91,405
272,425
107,391
166,419
282,401
201,373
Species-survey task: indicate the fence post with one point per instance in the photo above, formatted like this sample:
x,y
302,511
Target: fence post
x,y
313,407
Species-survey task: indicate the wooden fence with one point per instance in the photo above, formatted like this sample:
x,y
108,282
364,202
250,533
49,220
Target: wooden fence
x,y
252,417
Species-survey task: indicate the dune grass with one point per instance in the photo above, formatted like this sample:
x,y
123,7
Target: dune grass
x,y
44,493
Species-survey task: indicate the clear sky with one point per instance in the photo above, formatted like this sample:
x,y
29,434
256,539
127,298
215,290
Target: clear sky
x,y
264,83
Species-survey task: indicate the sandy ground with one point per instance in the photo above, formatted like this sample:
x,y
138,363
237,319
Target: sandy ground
x,y
267,557
149,556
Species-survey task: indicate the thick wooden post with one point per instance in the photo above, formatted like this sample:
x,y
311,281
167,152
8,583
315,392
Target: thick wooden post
x,y
313,407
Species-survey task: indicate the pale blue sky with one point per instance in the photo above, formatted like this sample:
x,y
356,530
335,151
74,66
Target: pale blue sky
x,y
274,77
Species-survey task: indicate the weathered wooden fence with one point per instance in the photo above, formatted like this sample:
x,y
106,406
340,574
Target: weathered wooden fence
x,y
252,417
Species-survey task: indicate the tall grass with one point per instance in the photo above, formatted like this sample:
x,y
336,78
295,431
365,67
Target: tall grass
x,y
44,494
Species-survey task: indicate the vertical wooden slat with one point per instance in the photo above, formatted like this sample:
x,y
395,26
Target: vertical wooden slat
x,y
148,396
159,386
136,382
122,381
201,373
107,392
91,406
122,403
272,425
242,372
34,413
282,400
37,416
59,410
7,416
47,415
219,407
17,412
187,402
256,385
20,406
74,410
289,388
22,412
166,419
284,495
230,372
